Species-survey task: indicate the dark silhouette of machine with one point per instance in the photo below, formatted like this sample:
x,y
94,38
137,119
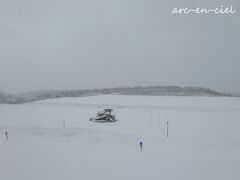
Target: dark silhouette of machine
x,y
104,116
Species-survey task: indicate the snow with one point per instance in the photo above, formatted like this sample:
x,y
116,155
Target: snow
x,y
203,142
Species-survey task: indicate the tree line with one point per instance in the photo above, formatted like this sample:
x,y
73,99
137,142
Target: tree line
x,y
6,98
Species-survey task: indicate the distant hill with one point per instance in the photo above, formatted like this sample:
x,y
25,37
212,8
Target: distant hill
x,y
139,90
6,98
237,94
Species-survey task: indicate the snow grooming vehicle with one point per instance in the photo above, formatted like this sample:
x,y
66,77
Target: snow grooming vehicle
x,y
104,116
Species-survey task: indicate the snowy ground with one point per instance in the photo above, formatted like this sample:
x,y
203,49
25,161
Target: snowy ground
x,y
203,142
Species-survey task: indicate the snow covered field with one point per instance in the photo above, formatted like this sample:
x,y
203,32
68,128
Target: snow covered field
x,y
203,142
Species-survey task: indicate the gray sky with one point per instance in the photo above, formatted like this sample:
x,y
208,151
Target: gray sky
x,y
78,44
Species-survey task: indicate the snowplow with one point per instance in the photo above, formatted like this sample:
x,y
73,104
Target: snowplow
x,y
104,116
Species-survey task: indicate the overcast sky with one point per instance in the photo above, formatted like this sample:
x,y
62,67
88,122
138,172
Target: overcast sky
x,y
79,44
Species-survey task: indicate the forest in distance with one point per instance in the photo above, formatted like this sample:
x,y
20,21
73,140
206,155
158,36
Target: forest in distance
x,y
6,98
